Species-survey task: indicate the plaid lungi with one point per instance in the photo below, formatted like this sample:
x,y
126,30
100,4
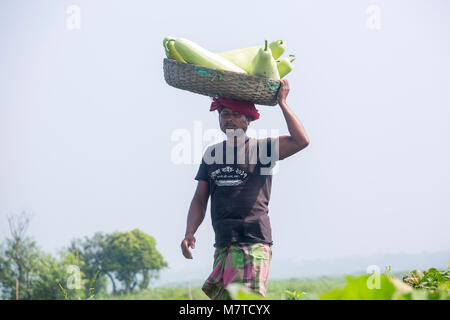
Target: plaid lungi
x,y
239,262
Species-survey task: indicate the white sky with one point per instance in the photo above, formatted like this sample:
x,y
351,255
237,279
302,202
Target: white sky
x,y
86,120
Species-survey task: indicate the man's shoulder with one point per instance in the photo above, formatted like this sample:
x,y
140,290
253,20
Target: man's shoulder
x,y
267,139
220,143
210,152
214,146
266,143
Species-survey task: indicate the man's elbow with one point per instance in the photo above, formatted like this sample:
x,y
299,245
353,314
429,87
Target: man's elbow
x,y
303,144
306,143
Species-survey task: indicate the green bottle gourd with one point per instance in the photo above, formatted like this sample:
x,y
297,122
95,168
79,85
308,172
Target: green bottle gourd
x,y
264,64
171,52
243,57
174,54
285,65
278,47
166,49
195,54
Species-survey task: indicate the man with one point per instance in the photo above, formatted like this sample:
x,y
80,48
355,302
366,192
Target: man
x,y
238,177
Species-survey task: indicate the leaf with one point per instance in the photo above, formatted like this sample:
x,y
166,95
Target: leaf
x,y
238,291
357,289
295,294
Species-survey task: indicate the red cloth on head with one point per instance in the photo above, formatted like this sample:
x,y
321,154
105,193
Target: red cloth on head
x,y
243,107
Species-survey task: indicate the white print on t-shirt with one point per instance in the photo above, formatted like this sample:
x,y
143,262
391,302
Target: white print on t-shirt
x,y
228,176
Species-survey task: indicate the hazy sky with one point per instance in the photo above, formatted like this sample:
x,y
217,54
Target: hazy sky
x,y
86,122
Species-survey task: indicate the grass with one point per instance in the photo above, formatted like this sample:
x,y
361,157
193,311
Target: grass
x,y
312,287
159,293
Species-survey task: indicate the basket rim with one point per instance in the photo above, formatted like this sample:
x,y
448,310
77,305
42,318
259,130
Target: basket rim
x,y
245,74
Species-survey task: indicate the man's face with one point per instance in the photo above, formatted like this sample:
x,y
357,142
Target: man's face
x,y
232,120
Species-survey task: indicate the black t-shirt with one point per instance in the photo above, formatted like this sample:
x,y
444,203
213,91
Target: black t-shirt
x,y
240,187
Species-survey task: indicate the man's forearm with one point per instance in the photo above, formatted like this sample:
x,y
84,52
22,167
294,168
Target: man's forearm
x,y
195,216
295,127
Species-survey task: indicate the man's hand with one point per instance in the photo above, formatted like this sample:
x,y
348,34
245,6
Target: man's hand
x,y
283,91
188,241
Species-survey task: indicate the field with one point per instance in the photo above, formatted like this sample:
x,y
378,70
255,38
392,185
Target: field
x,y
312,287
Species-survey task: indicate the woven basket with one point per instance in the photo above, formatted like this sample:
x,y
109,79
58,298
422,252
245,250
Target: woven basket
x,y
221,83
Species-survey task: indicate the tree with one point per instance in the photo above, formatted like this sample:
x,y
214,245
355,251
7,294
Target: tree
x,y
58,279
39,275
19,260
91,251
128,255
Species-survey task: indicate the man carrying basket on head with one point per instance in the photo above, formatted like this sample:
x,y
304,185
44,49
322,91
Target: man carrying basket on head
x,y
237,173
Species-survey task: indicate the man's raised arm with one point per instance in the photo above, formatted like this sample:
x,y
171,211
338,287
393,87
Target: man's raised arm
x,y
298,140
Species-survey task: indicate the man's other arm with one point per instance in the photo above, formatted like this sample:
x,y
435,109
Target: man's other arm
x,y
195,217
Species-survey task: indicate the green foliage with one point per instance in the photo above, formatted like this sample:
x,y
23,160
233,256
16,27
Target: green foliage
x,y
362,288
335,288
51,273
159,293
43,275
128,257
432,284
73,283
432,279
429,285
294,295
81,269
20,259
91,252
129,254
240,292
311,287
